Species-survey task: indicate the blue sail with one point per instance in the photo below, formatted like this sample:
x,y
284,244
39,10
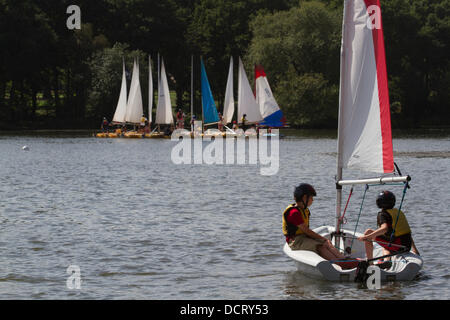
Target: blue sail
x,y
209,106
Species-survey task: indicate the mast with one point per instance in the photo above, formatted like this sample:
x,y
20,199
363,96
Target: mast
x,y
203,113
192,85
150,90
340,124
159,88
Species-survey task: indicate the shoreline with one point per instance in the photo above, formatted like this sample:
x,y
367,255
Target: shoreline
x,y
425,132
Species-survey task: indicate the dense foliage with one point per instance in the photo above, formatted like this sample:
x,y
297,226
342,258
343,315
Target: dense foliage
x,y
54,77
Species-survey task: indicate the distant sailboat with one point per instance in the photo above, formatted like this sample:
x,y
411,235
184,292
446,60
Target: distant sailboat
x,y
270,111
121,109
150,90
210,115
164,113
228,107
209,109
134,105
246,100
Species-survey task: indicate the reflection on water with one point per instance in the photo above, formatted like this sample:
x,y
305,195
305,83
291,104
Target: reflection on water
x,y
141,227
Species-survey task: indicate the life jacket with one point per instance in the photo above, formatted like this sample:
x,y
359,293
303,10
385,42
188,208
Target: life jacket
x,y
401,225
290,229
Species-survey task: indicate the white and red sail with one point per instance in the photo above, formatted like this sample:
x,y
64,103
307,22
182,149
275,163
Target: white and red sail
x,y
268,106
364,134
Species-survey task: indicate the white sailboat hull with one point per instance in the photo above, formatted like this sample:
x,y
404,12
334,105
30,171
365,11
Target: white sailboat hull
x,y
405,267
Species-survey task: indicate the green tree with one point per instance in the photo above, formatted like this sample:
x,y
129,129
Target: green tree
x,y
299,49
417,37
220,29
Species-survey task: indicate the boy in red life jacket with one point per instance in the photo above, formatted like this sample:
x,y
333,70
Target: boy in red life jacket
x,y
180,119
298,234
393,233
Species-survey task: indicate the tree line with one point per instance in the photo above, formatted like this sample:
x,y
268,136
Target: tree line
x,y
55,77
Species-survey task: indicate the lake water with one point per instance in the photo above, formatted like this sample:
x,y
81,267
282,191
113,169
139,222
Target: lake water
x,y
139,226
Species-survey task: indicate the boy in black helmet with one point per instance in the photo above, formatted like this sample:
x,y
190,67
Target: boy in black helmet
x,y
393,233
296,227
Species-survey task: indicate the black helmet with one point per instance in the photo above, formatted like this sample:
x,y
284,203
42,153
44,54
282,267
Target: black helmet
x,y
386,200
303,189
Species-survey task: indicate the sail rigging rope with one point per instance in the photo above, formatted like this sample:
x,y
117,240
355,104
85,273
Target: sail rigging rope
x,y
341,219
359,214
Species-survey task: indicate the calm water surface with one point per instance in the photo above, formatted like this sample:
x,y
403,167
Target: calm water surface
x,y
141,227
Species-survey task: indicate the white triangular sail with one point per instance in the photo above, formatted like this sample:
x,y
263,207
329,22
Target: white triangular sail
x,y
246,100
164,108
150,90
134,106
364,127
364,134
228,108
121,109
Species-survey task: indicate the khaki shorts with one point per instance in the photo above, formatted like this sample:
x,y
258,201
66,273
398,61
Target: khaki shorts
x,y
303,242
